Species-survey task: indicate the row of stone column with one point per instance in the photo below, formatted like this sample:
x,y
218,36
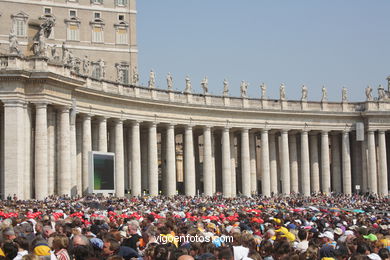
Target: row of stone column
x,y
299,170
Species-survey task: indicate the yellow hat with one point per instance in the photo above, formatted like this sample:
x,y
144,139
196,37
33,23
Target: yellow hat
x,y
42,250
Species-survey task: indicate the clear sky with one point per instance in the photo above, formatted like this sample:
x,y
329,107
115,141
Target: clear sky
x,y
334,43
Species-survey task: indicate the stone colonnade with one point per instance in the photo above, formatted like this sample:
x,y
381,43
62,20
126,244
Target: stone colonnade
x,y
45,151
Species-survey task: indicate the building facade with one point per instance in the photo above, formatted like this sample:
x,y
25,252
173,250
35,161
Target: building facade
x,y
57,105
93,33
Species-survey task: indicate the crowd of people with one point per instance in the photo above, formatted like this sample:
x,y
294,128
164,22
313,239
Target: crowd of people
x,y
323,227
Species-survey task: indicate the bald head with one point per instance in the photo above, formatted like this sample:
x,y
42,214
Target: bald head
x,y
185,257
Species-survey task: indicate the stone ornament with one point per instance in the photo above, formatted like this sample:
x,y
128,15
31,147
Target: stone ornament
x,y
13,44
324,94
225,88
304,93
381,93
368,92
244,89
205,85
135,77
120,73
169,81
152,79
344,95
102,68
263,88
86,64
188,88
282,91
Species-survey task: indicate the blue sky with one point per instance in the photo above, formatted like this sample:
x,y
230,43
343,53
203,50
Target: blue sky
x,y
331,42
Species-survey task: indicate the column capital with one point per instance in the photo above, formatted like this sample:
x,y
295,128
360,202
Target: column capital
x,y
41,104
265,131
305,131
245,129
188,127
152,124
371,130
324,132
117,120
13,103
382,131
101,118
63,109
207,127
170,125
135,123
86,116
284,131
346,131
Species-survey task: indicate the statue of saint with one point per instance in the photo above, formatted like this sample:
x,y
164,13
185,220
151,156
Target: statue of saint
x,y
244,89
13,44
324,94
65,53
152,79
205,85
86,64
381,93
135,77
40,45
169,81
102,68
225,88
369,93
47,26
344,96
263,88
304,93
282,92
188,88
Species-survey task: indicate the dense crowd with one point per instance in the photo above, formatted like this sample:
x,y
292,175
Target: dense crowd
x,y
318,227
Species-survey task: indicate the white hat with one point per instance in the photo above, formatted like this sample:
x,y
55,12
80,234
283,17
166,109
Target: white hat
x,y
374,256
327,234
338,231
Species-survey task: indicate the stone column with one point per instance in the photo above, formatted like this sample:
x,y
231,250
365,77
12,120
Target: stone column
x,y
226,164
144,159
325,169
372,173
364,165
305,163
28,153
207,163
153,160
347,182
293,163
119,159
265,165
189,163
79,157
383,183
171,161
214,186
273,164
285,163
51,141
87,147
73,154
336,166
14,149
314,164
102,121
253,170
233,164
245,163
41,166
64,177
135,159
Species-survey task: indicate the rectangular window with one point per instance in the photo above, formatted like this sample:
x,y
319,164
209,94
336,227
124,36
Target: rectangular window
x,y
73,32
121,36
121,2
20,27
96,71
47,10
97,15
97,34
97,1
121,17
72,13
125,72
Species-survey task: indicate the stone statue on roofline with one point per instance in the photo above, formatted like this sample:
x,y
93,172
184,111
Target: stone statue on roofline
x,y
368,92
169,81
152,79
304,93
282,91
344,94
381,93
324,94
188,88
263,88
205,85
244,89
225,88
13,44
135,76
